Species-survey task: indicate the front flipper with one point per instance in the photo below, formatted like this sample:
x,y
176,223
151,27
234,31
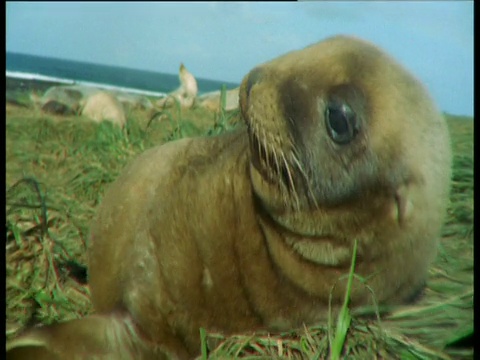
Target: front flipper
x,y
94,337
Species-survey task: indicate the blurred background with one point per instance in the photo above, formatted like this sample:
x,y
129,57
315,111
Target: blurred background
x,y
219,42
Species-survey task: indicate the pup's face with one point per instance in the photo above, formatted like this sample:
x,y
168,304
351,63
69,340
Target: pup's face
x,y
323,126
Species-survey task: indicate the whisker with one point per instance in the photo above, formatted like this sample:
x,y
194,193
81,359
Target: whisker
x,y
290,180
304,175
277,165
278,168
257,140
265,147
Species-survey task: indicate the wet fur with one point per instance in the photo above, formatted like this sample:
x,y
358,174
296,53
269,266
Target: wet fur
x,y
251,230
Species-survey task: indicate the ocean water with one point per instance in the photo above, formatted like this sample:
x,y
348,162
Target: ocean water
x,y
31,67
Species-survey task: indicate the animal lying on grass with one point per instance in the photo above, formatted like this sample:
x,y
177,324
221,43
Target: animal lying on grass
x,y
251,229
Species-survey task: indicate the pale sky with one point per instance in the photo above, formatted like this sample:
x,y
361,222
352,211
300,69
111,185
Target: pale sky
x,y
223,41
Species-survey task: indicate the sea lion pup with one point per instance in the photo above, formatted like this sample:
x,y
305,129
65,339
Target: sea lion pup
x,y
185,94
251,229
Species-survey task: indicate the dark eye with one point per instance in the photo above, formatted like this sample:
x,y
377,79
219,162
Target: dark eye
x,y
341,122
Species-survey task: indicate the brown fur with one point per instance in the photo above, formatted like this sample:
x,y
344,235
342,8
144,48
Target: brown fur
x,y
251,230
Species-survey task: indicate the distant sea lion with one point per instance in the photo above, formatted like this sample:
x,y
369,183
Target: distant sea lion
x,y
104,106
251,229
186,92
64,99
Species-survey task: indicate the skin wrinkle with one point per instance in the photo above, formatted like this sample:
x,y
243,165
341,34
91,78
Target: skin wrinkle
x,y
262,215
236,257
248,297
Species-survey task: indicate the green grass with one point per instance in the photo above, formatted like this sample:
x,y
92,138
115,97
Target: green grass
x,y
344,319
59,167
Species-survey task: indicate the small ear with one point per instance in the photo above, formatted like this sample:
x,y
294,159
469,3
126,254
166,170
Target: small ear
x,y
92,337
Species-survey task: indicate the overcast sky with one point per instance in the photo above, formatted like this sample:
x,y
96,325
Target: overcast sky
x,y
223,41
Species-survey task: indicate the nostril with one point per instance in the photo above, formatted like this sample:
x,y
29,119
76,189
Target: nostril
x,y
253,78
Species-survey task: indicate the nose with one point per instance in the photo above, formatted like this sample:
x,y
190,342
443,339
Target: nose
x,y
254,77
